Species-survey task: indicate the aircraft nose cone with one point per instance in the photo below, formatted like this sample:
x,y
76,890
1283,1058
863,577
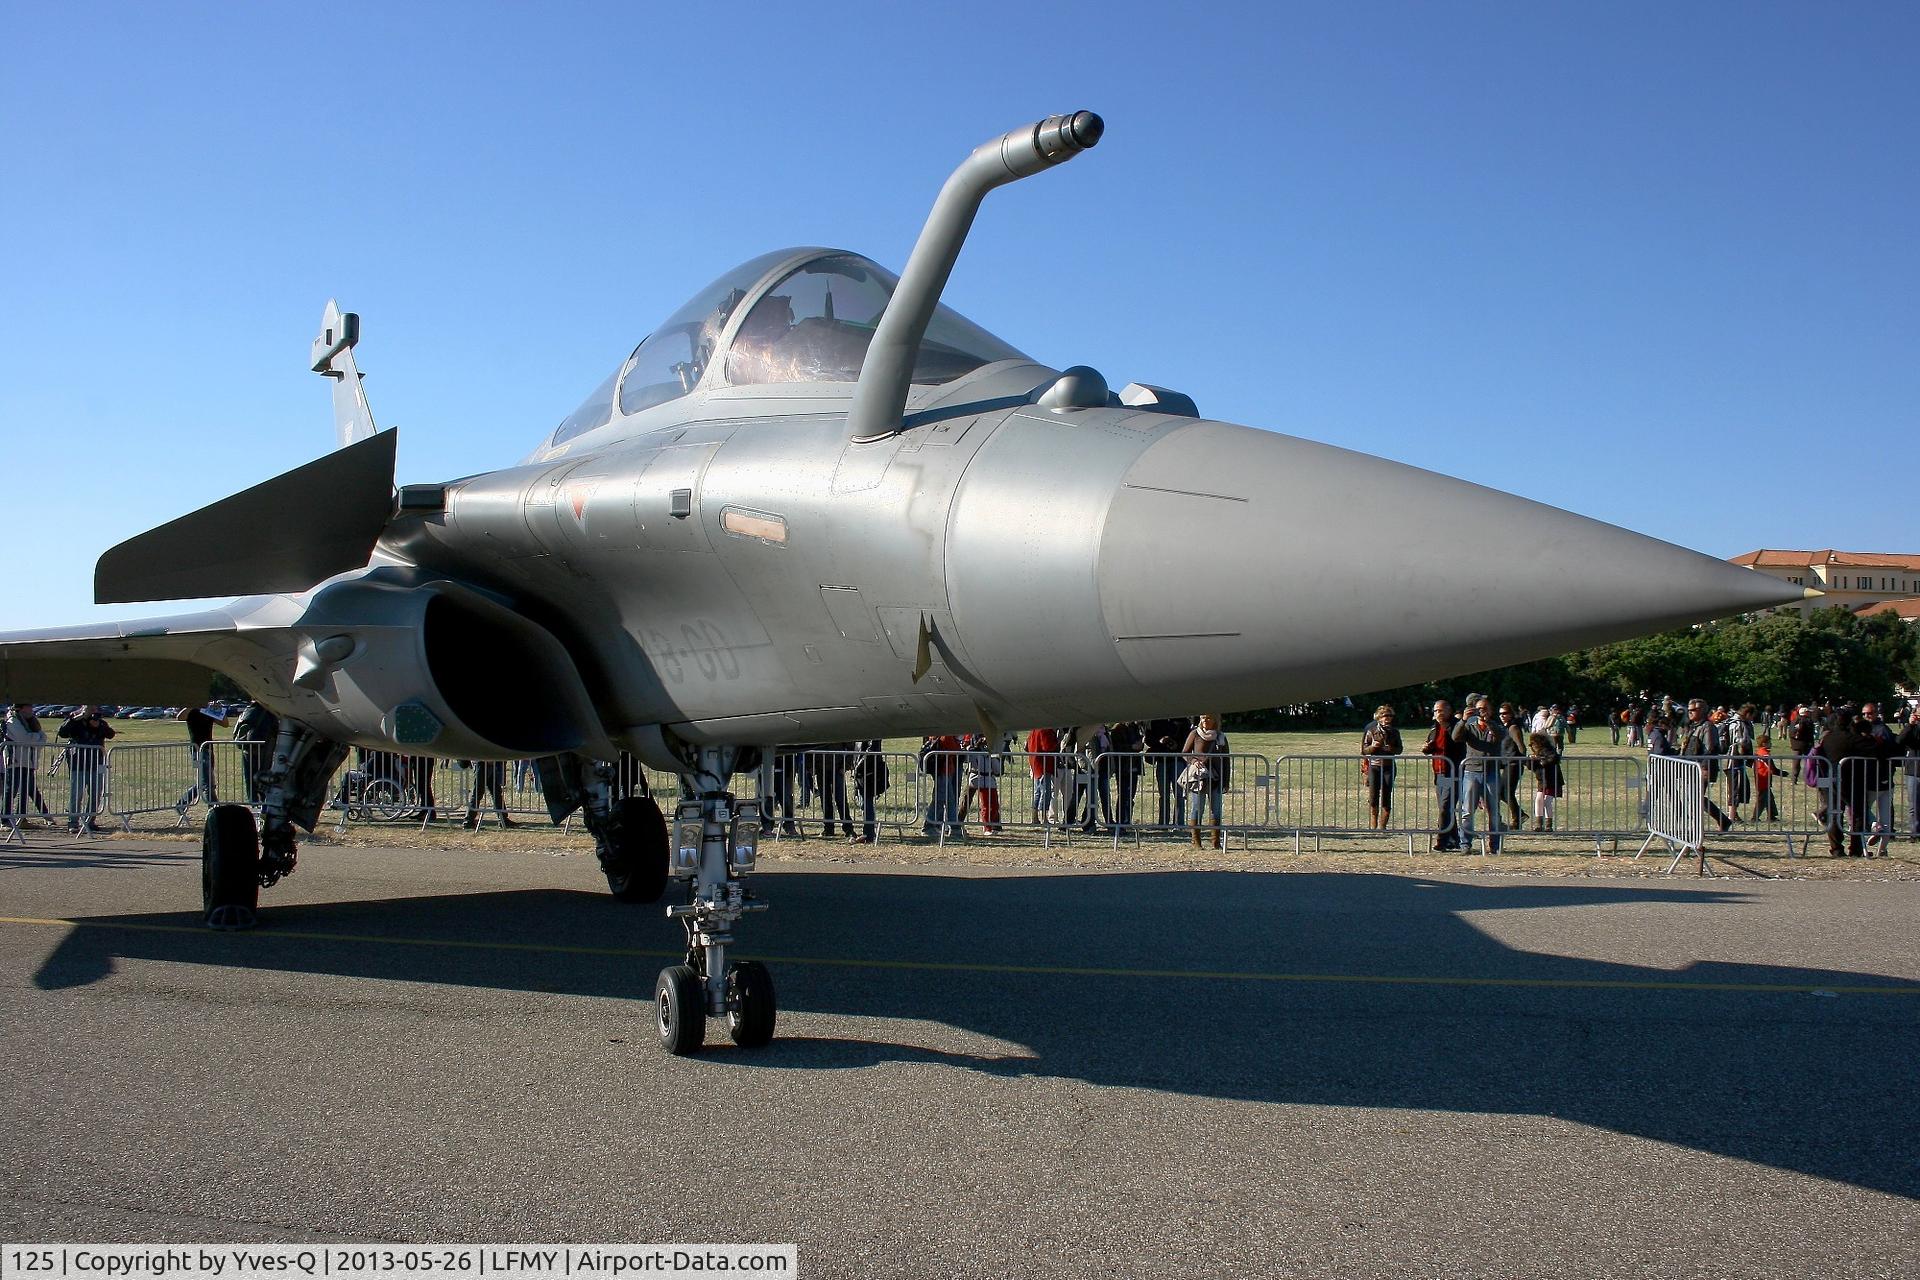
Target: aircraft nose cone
x,y
1247,568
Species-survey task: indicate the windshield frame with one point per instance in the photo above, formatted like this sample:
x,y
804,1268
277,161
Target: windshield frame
x,y
780,265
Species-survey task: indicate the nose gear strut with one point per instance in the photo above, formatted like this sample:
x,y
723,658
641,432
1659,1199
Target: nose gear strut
x,y
714,847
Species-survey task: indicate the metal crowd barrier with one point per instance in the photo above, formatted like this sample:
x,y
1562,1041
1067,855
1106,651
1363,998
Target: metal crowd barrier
x,y
56,784
849,794
1798,803
1113,794
1676,808
157,778
1601,798
1060,795
375,786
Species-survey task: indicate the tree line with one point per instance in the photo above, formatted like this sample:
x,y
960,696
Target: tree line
x,y
1778,659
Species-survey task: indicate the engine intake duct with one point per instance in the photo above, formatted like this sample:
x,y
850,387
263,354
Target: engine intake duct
x,y
441,669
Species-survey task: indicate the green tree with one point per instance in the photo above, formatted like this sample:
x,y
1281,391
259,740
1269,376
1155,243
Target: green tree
x,y
1771,659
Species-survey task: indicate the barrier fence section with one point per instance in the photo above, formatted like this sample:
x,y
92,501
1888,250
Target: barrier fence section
x,y
54,784
1798,801
1789,801
158,778
1909,823
1112,794
1599,798
383,786
1863,804
851,794
1676,808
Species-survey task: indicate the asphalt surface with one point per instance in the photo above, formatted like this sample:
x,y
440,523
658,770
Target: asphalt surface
x,y
978,1072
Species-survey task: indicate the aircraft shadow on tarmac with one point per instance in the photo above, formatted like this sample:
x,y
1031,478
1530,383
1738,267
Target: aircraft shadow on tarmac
x,y
76,856
1817,1083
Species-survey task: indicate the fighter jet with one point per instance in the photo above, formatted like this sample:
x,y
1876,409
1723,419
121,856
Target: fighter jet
x,y
814,504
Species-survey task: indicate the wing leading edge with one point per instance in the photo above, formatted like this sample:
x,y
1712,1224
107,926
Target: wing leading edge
x,y
170,660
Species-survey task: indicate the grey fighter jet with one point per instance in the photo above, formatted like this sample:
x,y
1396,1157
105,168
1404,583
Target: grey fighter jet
x,y
816,505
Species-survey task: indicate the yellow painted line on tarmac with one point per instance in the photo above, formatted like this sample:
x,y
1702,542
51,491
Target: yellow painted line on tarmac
x,y
1041,970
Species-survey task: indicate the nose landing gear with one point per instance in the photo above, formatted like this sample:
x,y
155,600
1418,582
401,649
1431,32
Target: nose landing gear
x,y
715,845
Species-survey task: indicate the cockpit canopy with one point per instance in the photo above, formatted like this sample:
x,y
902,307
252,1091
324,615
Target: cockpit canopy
x,y
800,315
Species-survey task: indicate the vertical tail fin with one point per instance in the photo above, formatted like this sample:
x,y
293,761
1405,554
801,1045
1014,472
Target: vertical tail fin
x,y
333,358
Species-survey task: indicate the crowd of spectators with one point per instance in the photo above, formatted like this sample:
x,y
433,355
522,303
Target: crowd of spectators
x,y
1090,778
1085,777
1478,759
82,738
1849,754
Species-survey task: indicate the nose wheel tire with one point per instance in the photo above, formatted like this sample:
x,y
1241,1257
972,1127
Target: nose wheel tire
x,y
229,867
680,1010
637,871
751,1007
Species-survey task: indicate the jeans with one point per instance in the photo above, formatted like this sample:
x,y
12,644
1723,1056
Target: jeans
x,y
784,768
833,798
20,791
1103,788
202,781
1166,777
489,776
1445,836
1042,798
943,813
85,781
1084,787
1880,806
1127,780
1199,801
1739,786
1913,806
1477,789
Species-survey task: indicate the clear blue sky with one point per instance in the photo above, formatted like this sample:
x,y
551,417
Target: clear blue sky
x,y
1651,262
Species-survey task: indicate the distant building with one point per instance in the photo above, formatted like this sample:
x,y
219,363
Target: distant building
x,y
1855,580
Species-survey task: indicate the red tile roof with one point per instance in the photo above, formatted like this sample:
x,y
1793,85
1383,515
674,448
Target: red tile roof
x,y
1908,608
1770,558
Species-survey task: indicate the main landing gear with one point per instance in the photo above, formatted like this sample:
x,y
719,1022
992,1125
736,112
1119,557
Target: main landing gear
x,y
714,847
629,833
634,851
236,859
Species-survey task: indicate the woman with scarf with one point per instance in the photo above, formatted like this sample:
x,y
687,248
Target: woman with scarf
x,y
1205,777
1379,745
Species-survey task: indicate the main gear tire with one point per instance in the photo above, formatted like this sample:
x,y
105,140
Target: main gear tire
x,y
637,868
680,1010
230,867
751,1007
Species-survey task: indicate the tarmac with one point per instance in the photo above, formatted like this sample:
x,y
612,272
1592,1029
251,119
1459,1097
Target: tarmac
x,y
979,1070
